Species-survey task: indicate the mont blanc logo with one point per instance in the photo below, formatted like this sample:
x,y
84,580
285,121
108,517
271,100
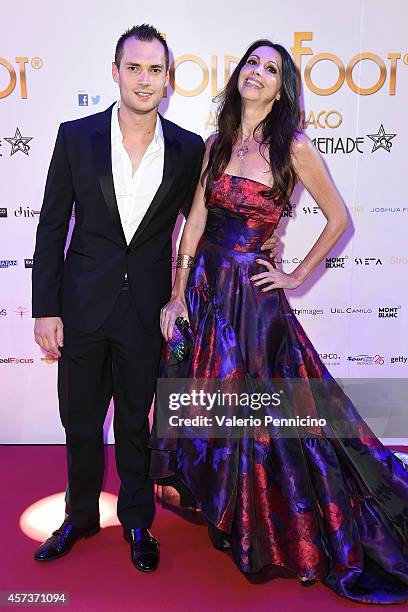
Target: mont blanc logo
x,y
289,211
3,213
336,262
388,312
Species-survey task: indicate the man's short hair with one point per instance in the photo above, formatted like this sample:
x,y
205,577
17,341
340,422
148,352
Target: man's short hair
x,y
143,32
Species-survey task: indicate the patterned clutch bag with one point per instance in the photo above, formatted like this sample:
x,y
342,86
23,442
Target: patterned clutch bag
x,y
182,341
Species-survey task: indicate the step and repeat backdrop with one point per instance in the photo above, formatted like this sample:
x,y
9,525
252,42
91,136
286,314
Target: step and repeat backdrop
x,y
55,65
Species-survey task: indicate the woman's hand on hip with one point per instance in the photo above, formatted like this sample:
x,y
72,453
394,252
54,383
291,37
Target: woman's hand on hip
x,y
273,279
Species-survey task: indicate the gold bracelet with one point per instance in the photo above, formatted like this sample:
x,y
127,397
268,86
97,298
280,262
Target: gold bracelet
x,y
184,261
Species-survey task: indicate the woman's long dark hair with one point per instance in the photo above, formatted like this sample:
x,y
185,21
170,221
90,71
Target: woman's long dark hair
x,y
277,129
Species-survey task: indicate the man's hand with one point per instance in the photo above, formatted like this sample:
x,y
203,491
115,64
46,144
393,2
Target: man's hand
x,y
272,244
48,333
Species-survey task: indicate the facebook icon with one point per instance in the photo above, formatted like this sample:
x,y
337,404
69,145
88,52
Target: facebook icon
x,y
82,99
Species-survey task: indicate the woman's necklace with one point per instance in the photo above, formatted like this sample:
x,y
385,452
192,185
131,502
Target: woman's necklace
x,y
243,149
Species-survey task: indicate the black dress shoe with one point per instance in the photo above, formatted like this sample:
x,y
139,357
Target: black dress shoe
x,y
219,539
62,540
144,549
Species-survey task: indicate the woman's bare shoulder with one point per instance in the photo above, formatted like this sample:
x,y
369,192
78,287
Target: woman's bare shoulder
x,y
302,145
304,153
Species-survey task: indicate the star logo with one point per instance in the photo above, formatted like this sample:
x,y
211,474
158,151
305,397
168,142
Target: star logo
x,y
19,143
381,140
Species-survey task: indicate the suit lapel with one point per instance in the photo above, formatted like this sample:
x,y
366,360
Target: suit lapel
x,y
171,153
101,144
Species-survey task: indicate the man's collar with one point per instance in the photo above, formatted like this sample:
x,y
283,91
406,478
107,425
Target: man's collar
x,y
117,134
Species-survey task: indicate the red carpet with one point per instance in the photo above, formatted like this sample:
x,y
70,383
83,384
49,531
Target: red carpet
x,y
98,574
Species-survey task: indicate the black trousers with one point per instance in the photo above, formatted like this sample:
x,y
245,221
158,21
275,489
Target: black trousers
x,y
119,360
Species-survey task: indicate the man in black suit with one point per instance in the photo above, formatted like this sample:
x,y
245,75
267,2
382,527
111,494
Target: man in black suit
x,y
129,172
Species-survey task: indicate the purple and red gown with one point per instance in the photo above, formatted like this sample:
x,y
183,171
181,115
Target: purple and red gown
x,y
329,508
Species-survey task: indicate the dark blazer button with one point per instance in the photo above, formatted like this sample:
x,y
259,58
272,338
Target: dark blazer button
x,y
129,250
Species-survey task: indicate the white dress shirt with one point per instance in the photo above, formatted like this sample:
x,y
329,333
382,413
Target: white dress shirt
x,y
134,194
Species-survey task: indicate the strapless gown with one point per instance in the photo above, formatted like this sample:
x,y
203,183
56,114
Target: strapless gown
x,y
332,509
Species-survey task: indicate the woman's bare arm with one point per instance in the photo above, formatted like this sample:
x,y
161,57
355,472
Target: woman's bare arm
x,y
312,172
193,230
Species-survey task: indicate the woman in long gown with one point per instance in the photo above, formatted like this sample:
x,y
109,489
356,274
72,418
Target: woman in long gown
x,y
322,507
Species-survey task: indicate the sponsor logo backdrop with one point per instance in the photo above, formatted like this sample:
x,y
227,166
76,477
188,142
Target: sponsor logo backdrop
x,y
55,66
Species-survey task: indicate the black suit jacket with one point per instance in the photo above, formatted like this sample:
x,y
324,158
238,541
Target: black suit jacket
x,y
82,290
